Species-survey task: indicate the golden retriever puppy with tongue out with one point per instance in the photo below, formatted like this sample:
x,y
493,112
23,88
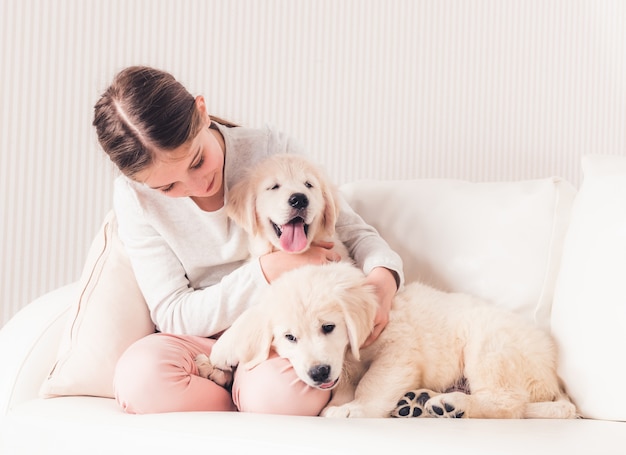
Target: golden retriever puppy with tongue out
x,y
285,203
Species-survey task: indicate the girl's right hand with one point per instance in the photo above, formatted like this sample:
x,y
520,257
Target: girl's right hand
x,y
276,263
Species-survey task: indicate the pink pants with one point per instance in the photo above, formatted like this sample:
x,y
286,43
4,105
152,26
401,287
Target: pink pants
x,y
158,374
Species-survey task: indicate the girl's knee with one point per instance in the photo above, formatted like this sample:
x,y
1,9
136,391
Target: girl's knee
x,y
158,374
273,387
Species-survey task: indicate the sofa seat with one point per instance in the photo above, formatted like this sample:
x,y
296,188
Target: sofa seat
x,y
79,425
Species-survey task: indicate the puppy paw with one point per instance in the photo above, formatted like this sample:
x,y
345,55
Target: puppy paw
x,y
412,403
347,410
337,412
447,405
207,370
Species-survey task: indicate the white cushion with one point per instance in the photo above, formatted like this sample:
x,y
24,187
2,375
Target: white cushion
x,y
589,311
107,316
501,241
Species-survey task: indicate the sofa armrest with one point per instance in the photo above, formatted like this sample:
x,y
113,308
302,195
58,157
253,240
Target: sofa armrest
x,y
29,343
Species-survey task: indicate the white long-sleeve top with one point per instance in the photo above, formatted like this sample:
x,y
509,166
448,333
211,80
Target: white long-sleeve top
x,y
192,266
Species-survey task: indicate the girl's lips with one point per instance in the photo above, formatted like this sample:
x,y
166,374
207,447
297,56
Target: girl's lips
x,y
209,188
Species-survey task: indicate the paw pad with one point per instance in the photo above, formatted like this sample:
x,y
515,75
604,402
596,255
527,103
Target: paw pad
x,y
411,404
444,409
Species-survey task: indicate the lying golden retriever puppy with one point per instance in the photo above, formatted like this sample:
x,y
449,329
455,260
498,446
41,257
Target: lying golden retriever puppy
x,y
318,317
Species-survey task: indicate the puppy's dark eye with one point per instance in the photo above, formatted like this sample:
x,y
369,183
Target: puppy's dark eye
x,y
275,187
327,328
308,184
289,337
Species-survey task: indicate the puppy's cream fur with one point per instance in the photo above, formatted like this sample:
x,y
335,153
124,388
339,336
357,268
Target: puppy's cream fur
x,y
276,192
319,316
308,335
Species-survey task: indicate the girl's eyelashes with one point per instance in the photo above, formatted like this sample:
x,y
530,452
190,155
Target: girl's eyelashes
x,y
167,188
199,164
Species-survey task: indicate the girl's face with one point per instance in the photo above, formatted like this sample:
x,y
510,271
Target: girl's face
x,y
192,170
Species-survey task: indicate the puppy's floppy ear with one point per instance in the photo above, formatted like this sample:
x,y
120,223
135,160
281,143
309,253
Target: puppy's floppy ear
x,y
247,342
359,305
241,205
331,204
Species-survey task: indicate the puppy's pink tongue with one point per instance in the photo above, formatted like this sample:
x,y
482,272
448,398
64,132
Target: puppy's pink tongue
x,y
293,238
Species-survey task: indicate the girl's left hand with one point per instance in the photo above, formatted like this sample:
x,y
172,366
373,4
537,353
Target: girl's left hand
x,y
384,283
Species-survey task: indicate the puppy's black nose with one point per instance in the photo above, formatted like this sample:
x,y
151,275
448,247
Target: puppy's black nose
x,y
320,373
299,201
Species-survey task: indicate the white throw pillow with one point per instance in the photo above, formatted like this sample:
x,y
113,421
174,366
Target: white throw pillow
x,y
108,315
501,241
589,311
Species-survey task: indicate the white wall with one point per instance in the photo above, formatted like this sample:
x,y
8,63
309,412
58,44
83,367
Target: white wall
x,y
472,89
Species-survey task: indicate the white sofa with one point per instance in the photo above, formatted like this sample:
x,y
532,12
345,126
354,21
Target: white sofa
x,y
539,247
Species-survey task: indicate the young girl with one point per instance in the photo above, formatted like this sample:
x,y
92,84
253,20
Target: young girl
x,y
191,262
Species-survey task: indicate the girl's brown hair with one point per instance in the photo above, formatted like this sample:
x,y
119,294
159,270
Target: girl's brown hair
x,y
145,111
